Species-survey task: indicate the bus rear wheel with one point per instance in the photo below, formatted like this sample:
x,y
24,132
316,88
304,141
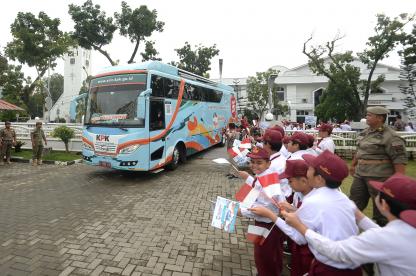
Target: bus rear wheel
x,y
177,156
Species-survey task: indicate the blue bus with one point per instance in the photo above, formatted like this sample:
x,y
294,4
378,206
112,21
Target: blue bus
x,y
151,115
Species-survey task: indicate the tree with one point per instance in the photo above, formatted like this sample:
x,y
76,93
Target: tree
x,y
12,82
57,86
408,85
196,61
150,53
388,34
65,134
93,29
137,25
409,51
37,42
258,91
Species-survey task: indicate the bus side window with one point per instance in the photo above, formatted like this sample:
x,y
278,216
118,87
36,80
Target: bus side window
x,y
157,86
171,88
157,114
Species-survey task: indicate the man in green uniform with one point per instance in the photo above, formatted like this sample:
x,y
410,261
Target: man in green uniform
x,y
7,141
36,136
380,153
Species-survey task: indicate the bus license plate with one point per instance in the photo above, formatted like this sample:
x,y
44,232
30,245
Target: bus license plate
x,y
105,164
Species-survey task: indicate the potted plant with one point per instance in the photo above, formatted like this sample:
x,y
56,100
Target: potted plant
x,y
18,146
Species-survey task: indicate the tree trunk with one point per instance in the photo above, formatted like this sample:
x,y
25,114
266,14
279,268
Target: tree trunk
x,y
131,60
105,54
66,147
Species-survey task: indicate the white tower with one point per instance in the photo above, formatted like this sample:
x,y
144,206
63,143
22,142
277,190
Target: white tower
x,y
76,69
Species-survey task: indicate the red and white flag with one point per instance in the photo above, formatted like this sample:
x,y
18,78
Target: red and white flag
x,y
247,195
237,155
271,184
245,144
257,234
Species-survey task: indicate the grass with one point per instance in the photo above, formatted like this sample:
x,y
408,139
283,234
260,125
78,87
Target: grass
x,y
52,156
346,185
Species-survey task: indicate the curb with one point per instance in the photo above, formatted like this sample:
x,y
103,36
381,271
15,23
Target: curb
x,y
49,162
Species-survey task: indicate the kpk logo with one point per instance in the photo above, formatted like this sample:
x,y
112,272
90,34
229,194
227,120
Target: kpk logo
x,y
102,138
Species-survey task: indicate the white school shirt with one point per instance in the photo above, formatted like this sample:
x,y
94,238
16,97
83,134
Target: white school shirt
x,y
328,212
326,144
261,200
283,151
297,155
278,164
391,247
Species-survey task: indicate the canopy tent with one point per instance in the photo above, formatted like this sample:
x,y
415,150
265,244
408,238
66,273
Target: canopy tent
x,y
8,106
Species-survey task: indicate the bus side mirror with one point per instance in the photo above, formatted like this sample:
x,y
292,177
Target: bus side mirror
x,y
141,104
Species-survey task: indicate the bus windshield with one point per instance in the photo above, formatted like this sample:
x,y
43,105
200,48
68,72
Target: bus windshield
x,y
113,101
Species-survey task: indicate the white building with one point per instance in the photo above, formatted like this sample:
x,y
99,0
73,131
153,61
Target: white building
x,y
300,89
77,67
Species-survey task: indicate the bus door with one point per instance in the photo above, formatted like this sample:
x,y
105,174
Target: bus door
x,y
157,145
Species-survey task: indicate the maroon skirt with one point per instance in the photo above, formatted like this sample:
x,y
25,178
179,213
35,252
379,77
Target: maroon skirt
x,y
268,256
321,269
301,259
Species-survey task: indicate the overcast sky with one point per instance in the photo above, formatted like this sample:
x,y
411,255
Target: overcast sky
x,y
251,35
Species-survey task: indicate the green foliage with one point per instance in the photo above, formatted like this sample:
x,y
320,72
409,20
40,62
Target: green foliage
x,y
57,86
137,25
409,47
18,146
37,42
93,29
340,72
258,91
408,85
150,53
65,134
197,61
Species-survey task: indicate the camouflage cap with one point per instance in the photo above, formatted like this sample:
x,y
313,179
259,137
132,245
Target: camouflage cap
x,y
378,110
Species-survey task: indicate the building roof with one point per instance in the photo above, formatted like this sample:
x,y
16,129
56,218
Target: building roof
x,y
8,106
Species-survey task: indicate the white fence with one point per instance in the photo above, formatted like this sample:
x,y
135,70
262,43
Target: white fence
x,y
23,134
345,140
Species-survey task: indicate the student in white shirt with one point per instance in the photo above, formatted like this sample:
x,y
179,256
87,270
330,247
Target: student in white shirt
x,y
298,145
326,210
391,247
326,142
268,256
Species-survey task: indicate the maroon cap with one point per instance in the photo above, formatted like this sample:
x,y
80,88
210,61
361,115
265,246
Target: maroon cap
x,y
329,165
311,140
300,138
294,168
272,136
401,188
258,153
279,129
326,127
286,140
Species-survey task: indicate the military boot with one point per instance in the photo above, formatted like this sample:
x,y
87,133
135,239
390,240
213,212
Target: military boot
x,y
34,162
8,161
39,161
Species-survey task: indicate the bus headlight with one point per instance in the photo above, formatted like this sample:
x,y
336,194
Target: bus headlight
x,y
87,146
129,149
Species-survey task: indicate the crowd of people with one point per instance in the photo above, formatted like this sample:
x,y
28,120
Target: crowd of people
x,y
326,231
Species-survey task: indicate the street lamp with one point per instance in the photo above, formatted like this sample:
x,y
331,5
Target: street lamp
x,y
271,79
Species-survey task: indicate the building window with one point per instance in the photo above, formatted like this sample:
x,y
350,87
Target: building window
x,y
72,61
302,112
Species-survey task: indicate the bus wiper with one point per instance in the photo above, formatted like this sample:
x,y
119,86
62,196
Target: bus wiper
x,y
123,128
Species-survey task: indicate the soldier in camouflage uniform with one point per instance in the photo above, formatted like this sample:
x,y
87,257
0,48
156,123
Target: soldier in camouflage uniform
x,y
36,136
380,153
7,141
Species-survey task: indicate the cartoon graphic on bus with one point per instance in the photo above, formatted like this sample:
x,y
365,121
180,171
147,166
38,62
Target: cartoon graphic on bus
x,y
150,115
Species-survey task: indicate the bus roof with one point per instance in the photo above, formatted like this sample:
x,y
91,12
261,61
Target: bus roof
x,y
164,68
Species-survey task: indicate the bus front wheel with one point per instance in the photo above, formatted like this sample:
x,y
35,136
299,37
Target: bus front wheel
x,y
177,156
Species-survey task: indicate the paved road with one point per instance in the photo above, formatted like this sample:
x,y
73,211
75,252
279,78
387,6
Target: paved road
x,y
82,220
